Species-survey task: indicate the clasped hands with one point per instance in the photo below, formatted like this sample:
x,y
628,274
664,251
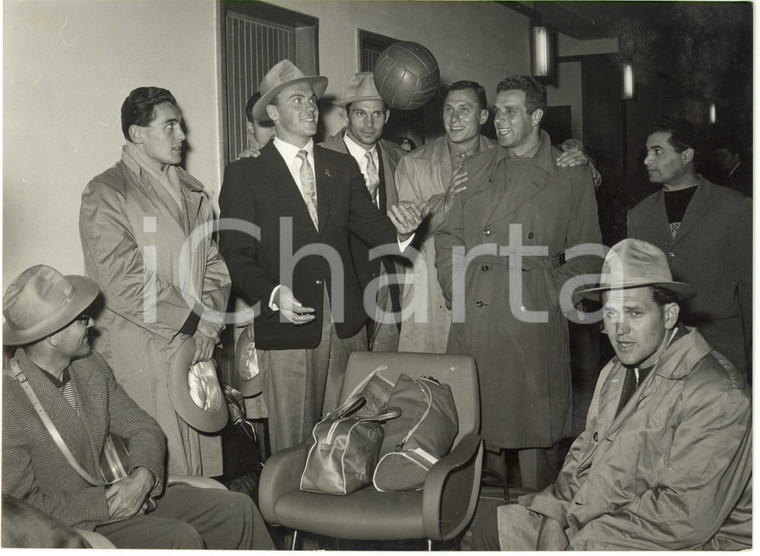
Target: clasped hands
x,y
129,496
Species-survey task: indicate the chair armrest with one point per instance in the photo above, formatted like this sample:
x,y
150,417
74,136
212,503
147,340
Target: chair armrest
x,y
282,473
196,481
449,483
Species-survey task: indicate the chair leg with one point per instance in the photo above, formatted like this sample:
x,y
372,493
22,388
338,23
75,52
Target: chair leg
x,y
430,545
295,537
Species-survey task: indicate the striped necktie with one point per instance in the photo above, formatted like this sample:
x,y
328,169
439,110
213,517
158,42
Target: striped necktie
x,y
308,186
372,177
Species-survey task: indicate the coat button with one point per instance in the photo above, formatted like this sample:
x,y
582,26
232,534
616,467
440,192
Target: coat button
x,y
596,437
486,232
478,304
318,282
672,254
530,235
484,267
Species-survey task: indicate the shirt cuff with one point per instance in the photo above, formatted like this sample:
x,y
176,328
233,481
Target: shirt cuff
x,y
272,304
402,245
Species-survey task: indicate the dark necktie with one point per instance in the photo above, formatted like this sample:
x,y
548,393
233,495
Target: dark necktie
x,y
309,187
629,388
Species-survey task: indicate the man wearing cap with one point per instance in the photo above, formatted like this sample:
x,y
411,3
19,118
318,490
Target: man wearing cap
x,y
377,159
706,231
286,220
665,462
146,231
55,376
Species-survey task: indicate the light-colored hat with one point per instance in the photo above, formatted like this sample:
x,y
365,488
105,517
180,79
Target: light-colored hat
x,y
41,301
195,392
247,369
282,74
634,263
361,86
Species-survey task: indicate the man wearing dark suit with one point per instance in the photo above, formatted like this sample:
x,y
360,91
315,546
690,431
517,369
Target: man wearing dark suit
x,y
706,232
296,269
46,315
377,159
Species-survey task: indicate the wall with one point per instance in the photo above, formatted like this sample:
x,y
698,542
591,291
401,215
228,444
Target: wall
x,y
69,64
567,91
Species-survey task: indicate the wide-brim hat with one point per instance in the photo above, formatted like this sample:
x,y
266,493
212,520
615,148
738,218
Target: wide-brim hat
x,y
42,301
247,369
361,86
283,74
633,263
195,392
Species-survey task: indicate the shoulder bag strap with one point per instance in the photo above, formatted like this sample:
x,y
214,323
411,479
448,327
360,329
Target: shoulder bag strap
x,y
18,374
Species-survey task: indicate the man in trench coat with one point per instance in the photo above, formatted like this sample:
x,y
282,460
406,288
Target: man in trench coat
x,y
517,195
135,220
665,462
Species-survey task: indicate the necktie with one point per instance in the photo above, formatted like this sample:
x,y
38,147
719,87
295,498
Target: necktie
x,y
629,388
372,178
308,186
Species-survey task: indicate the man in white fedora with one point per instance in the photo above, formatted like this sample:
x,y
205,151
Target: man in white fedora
x,y
60,403
377,158
304,201
665,462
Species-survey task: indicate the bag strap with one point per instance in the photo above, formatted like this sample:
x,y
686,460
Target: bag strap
x,y
19,375
428,395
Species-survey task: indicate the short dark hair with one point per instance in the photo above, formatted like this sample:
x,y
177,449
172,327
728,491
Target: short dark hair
x,y
663,296
535,92
473,86
249,106
137,108
682,134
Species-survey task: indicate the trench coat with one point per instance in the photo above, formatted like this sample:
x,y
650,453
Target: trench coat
x,y
712,251
132,247
523,366
673,471
423,176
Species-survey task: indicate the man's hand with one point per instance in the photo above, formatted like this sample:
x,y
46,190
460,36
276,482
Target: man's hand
x,y
552,536
456,185
291,308
406,218
253,150
204,347
128,497
572,154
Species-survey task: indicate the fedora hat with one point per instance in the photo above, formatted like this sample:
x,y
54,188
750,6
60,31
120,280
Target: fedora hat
x,y
41,301
282,74
634,263
247,370
361,86
195,392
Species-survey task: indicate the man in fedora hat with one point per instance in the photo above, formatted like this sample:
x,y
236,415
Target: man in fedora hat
x,y
665,461
136,221
377,158
54,376
303,201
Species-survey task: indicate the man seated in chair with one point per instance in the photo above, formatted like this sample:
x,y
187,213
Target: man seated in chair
x,y
665,461
46,317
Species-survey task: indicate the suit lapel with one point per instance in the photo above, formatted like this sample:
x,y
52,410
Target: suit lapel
x,y
324,176
286,187
695,211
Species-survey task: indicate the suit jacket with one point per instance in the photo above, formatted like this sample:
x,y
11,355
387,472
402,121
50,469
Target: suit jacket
x,y
368,269
712,251
35,470
260,192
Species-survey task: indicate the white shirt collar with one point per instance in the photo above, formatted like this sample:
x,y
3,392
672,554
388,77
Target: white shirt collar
x,y
357,151
289,151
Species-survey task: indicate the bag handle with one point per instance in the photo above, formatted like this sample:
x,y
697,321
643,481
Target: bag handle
x,y
19,375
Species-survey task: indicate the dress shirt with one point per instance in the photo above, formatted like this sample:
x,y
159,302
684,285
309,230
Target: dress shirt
x,y
359,153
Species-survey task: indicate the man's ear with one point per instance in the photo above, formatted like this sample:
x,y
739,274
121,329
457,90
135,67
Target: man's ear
x,y
536,117
483,116
136,134
272,112
53,340
687,155
387,115
671,315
